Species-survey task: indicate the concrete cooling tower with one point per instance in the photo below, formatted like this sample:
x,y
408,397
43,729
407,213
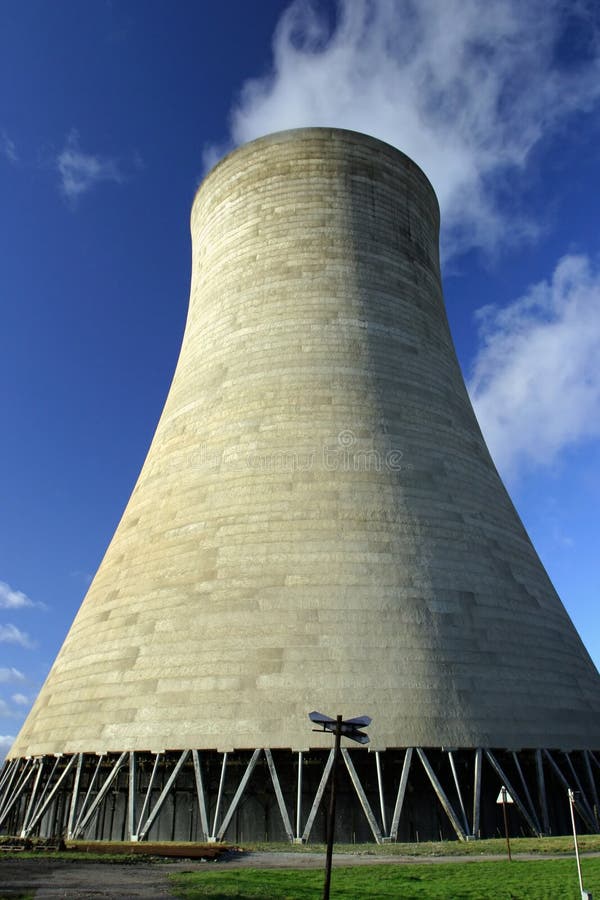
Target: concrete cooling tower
x,y
318,525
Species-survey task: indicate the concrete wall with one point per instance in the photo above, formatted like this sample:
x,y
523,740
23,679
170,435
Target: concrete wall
x,y
318,523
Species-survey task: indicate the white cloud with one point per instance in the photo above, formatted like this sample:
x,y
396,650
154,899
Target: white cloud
x,y
8,148
20,699
80,172
536,380
6,742
12,599
10,674
10,634
467,88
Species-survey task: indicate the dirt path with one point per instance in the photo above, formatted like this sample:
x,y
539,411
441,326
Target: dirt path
x,y
82,880
283,860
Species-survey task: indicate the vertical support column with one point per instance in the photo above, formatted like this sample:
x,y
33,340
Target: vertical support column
x,y
446,805
46,786
477,791
147,798
579,806
362,796
40,765
88,794
146,825
458,792
526,791
200,794
381,798
279,795
592,783
131,830
42,807
513,793
213,835
401,793
74,796
584,800
318,797
21,782
238,794
8,773
298,837
539,767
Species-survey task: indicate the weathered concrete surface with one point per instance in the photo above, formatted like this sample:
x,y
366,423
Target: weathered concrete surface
x,y
318,523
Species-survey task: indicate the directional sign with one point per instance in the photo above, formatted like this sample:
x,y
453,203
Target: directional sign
x,y
358,722
350,728
320,718
504,796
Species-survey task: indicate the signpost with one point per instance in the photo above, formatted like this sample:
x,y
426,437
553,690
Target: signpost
x,y
350,728
504,798
585,895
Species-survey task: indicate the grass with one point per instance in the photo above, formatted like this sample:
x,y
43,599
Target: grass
x,y
18,895
588,843
519,880
123,852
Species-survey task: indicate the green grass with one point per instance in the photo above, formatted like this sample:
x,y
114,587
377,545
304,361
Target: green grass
x,y
543,846
17,896
519,880
588,843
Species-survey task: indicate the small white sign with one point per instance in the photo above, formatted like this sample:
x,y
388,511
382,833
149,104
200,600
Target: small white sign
x,y
504,797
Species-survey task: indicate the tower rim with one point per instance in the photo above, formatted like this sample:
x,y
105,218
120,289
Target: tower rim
x,y
305,133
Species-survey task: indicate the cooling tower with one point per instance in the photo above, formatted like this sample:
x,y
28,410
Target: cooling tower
x,y
318,525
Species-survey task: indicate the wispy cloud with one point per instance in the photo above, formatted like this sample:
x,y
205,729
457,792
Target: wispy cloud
x,y
10,712
80,172
10,674
466,87
20,699
8,148
10,634
13,599
536,380
6,742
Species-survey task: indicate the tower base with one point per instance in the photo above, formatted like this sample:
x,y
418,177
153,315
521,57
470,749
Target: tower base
x,y
408,794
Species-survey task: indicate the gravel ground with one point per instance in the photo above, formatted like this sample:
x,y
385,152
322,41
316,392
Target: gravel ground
x,y
82,880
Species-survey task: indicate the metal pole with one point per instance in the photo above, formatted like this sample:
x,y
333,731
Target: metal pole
x,y
503,792
213,837
131,797
572,808
331,815
299,798
380,786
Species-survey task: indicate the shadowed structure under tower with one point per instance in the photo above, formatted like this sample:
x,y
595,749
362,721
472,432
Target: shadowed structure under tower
x,y
318,524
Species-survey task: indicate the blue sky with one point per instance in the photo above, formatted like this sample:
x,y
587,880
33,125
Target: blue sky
x,y
110,114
